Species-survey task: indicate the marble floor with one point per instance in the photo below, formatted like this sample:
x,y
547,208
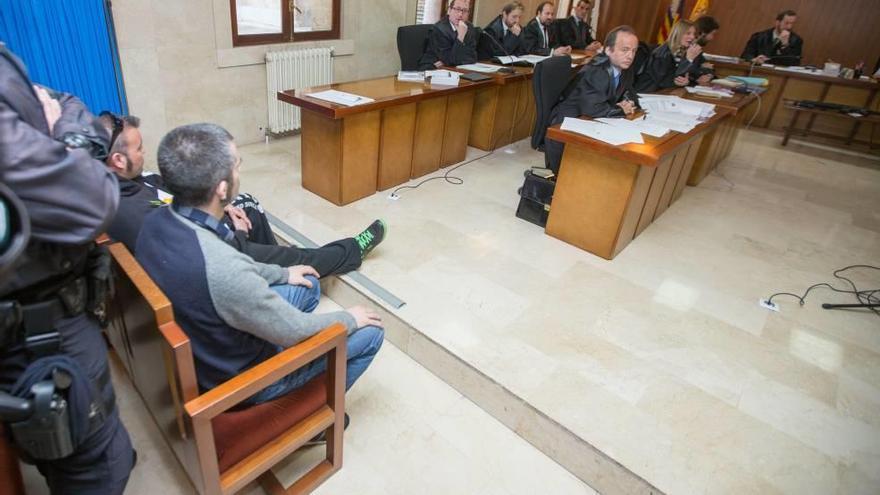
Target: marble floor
x,y
659,364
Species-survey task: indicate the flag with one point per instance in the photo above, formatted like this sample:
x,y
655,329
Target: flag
x,y
700,9
671,15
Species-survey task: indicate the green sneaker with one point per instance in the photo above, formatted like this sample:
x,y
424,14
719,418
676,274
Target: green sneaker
x,y
371,237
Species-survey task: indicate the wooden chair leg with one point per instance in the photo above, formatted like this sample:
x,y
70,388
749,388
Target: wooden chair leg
x,y
790,129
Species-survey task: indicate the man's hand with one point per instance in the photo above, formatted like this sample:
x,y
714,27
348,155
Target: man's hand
x,y
239,218
365,316
704,80
693,51
562,50
681,81
516,29
594,46
462,30
627,107
760,59
784,37
51,107
296,275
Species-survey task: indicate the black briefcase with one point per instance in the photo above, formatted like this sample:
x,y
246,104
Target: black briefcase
x,y
535,197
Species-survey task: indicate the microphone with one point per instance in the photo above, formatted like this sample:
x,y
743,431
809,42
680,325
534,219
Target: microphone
x,y
518,63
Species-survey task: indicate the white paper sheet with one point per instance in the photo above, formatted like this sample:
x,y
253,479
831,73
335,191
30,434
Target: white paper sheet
x,y
712,93
532,59
341,97
411,76
612,135
479,67
640,125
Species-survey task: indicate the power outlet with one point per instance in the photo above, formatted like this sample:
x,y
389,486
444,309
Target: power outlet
x,y
764,303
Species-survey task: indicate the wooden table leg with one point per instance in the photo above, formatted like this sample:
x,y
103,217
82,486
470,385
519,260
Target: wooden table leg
x,y
791,126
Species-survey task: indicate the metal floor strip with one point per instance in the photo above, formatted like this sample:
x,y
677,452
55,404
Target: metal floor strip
x,y
358,277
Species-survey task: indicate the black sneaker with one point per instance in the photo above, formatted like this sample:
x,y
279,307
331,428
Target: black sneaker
x,y
371,237
321,438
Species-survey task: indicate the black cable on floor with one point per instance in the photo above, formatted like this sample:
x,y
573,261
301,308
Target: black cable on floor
x,y
863,296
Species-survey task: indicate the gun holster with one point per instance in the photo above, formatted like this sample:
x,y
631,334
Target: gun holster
x,y
44,432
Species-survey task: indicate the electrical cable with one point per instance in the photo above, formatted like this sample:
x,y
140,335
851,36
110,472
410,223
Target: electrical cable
x,y
457,181
863,296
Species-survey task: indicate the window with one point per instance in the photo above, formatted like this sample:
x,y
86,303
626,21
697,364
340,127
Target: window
x,y
256,22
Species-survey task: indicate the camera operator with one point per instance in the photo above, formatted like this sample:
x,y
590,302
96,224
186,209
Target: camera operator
x,y
53,360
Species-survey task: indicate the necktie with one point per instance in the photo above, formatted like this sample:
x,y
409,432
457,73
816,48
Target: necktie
x,y
544,32
616,80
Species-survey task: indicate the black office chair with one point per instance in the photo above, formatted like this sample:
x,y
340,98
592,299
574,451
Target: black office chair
x,y
411,44
640,61
550,79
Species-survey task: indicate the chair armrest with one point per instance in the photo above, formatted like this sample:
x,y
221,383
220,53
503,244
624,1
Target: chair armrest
x,y
237,389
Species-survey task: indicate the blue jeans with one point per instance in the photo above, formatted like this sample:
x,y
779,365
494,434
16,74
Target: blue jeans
x,y
362,346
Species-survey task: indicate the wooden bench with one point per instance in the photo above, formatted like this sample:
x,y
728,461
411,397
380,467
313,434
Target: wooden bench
x,y
221,448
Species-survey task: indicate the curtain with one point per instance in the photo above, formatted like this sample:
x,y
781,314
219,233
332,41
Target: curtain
x,y
68,45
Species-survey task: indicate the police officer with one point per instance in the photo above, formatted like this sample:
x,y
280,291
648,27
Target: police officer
x,y
48,146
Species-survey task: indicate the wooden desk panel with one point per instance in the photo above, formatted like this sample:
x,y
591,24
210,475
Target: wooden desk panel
x,y
428,139
340,158
396,146
607,195
457,128
796,89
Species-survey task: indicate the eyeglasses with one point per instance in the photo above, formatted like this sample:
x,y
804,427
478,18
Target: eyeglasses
x,y
460,10
118,126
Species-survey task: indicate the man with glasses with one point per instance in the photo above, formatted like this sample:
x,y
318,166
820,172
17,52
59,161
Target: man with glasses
x,y
453,41
604,88
252,233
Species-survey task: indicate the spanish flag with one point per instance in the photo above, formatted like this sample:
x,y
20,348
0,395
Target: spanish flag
x,y
700,9
670,15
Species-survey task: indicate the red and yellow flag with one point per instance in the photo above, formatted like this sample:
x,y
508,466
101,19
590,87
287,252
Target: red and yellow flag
x,y
671,15
700,9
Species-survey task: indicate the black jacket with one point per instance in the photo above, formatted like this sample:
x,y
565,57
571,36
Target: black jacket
x,y
761,43
512,43
574,33
69,196
443,45
594,95
533,39
662,68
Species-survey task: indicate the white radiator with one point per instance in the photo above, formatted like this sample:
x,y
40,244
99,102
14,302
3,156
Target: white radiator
x,y
294,69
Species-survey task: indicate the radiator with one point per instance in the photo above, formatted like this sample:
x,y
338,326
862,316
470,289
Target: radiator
x,y
294,69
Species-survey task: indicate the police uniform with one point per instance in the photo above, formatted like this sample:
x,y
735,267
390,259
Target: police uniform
x,y
70,198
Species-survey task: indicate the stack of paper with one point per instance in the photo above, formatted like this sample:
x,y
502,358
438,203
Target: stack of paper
x,y
341,97
612,135
640,125
411,76
707,91
532,59
443,77
487,68
675,113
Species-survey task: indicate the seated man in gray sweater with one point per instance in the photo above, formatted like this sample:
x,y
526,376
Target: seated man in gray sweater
x,y
237,312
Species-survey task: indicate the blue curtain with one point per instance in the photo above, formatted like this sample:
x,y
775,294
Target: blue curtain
x,y
67,45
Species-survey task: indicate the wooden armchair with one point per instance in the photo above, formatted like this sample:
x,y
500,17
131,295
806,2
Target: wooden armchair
x,y
222,448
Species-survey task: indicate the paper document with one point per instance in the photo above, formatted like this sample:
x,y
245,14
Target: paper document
x,y
676,105
706,91
341,97
479,67
443,77
532,59
602,132
411,76
640,125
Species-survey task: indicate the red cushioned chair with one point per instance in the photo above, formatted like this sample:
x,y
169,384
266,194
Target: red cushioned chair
x,y
223,449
